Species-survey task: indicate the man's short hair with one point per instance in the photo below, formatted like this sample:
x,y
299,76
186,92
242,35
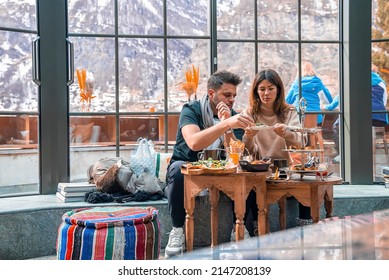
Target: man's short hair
x,y
217,79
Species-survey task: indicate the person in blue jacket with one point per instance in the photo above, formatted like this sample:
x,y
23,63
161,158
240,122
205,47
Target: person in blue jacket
x,y
378,98
313,90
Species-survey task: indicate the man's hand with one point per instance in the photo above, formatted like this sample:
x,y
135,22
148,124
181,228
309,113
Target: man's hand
x,y
240,121
223,111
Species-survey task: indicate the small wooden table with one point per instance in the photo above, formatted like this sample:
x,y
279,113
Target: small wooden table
x,y
236,186
309,191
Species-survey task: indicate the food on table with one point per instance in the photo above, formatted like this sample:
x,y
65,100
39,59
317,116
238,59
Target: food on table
x,y
209,164
294,147
260,161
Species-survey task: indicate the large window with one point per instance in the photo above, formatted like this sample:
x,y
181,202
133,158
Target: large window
x,y
18,98
129,60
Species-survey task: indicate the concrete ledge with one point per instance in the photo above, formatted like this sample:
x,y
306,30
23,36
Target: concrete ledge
x,y
28,225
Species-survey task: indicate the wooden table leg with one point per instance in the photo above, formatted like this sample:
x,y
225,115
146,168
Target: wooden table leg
x,y
329,201
239,208
214,199
263,223
189,204
315,204
282,212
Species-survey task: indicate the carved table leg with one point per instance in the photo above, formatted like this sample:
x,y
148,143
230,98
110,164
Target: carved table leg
x,y
315,204
282,212
239,208
329,201
263,223
189,204
214,199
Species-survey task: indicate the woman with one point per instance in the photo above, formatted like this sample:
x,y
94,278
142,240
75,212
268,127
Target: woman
x,y
313,90
267,106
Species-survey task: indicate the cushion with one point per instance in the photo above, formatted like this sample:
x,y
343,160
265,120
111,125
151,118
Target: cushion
x,y
109,233
162,161
82,132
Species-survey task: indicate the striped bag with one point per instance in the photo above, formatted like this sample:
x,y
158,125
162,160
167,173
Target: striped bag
x,y
109,233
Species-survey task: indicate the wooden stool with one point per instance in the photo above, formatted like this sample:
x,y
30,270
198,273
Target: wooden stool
x,y
109,233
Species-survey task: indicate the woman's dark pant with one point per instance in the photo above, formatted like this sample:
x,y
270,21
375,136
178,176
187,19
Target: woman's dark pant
x,y
174,192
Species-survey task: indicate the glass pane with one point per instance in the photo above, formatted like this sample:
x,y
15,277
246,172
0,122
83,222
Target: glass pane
x,y
92,16
134,127
97,57
331,139
325,61
379,24
280,57
17,91
141,80
18,14
91,138
18,149
380,152
319,20
187,17
276,21
139,17
380,59
181,56
172,127
238,58
235,19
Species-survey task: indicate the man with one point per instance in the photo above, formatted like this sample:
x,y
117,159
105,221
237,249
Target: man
x,y
206,123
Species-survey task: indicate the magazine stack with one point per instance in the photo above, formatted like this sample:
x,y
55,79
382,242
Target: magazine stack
x,y
74,192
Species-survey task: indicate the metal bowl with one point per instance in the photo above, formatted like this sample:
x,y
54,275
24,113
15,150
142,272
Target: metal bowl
x,y
253,167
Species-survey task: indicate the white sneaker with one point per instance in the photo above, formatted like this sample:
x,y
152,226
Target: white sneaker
x,y
233,234
176,244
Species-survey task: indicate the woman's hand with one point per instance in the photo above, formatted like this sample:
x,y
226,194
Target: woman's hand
x,y
250,133
280,129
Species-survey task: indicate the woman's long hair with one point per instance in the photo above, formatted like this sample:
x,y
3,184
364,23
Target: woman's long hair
x,y
280,107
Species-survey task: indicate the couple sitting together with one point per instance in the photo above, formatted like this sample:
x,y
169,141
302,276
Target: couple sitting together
x,y
211,121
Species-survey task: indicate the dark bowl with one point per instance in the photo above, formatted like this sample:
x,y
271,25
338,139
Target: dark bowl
x,y
250,167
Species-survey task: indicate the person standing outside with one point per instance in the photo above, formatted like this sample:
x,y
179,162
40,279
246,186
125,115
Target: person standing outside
x,y
313,90
379,98
203,124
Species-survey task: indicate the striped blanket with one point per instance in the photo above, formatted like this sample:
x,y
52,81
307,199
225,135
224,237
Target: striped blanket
x,y
110,233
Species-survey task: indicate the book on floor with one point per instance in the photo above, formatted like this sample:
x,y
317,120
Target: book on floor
x,y
72,194
76,187
69,198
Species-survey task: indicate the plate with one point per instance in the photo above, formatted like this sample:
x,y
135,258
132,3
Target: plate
x,y
259,127
304,129
308,171
303,151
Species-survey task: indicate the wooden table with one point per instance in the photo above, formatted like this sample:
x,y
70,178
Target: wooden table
x,y
309,191
237,187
